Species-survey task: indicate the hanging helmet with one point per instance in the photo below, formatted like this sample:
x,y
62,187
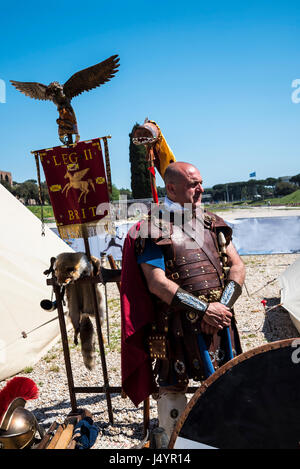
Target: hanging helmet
x,y
18,426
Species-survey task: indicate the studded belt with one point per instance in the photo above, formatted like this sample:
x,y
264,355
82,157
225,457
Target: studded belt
x,y
190,272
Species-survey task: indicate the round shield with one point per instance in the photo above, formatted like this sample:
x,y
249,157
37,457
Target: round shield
x,y
253,401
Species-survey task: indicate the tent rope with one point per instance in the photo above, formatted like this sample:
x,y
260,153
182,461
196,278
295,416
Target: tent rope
x,y
37,162
25,334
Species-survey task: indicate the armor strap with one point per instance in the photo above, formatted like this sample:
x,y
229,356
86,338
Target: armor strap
x,y
184,301
230,293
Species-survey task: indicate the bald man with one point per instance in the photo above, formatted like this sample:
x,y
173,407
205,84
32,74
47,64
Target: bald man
x,y
188,289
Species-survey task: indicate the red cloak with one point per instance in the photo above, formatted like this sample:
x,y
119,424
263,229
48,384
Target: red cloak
x,y
137,312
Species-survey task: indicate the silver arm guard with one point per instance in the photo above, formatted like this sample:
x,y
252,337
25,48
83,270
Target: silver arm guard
x,y
185,301
231,293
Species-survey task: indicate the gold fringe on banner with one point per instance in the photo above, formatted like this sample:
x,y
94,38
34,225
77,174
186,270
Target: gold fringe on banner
x,y
77,231
90,229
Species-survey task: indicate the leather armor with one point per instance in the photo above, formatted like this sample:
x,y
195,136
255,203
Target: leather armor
x,y
197,270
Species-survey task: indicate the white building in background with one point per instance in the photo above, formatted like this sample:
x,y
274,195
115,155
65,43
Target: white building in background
x,y
285,178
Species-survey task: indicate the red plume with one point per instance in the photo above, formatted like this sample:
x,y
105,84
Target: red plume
x,y
17,387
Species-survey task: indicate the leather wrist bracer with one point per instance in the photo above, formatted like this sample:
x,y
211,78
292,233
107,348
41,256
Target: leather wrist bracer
x,y
191,304
230,293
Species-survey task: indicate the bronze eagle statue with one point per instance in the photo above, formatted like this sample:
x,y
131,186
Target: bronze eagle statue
x,y
62,95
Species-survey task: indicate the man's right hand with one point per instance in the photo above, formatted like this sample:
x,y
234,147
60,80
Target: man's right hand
x,y
217,315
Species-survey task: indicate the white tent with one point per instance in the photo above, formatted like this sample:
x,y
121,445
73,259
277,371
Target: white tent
x,y
289,282
24,255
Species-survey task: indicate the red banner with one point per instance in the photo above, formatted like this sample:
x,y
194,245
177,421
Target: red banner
x,y
76,180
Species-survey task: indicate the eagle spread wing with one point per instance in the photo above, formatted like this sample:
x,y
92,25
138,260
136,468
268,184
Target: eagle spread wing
x,y
91,77
32,89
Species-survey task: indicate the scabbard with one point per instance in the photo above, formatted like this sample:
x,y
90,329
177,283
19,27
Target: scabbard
x,y
204,352
229,350
208,366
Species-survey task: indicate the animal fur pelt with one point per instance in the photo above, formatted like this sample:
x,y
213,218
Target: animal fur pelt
x,y
69,267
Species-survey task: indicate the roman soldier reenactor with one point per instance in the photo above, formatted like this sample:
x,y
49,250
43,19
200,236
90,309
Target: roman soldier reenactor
x,y
180,278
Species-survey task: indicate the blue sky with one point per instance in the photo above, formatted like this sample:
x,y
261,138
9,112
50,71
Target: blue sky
x,y
216,76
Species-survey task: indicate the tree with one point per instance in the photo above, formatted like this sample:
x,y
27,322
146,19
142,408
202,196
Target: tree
x,y
140,179
127,192
45,193
244,193
296,179
115,193
6,185
284,188
271,181
27,190
219,192
251,188
161,191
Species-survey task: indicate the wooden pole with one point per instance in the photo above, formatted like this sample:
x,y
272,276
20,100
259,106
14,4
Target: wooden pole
x,y
150,157
113,266
106,312
99,333
44,442
146,415
102,263
64,338
65,437
56,437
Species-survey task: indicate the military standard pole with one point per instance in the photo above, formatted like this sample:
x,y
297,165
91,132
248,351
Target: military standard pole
x,y
97,319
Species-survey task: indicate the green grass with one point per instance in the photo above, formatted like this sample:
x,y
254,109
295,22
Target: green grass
x,y
216,207
54,368
258,203
114,303
293,198
47,209
49,358
290,199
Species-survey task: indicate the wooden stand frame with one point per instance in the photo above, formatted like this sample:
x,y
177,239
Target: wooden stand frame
x,y
107,389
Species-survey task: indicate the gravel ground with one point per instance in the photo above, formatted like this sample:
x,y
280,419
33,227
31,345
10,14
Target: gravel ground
x,y
255,327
